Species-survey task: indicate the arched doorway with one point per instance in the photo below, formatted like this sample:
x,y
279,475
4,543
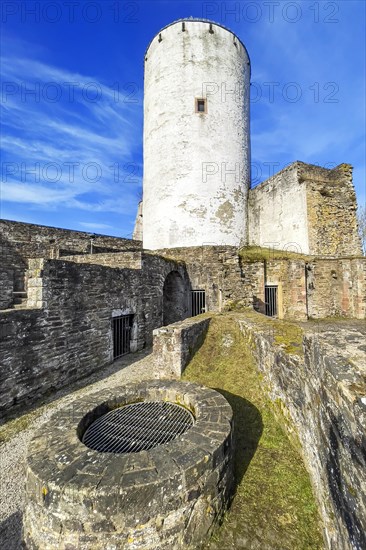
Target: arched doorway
x,y
175,299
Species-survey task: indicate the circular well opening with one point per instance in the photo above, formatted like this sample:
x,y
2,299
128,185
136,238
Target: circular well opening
x,y
137,427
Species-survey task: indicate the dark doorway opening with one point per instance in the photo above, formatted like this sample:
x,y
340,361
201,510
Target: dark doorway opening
x,y
198,302
121,327
270,293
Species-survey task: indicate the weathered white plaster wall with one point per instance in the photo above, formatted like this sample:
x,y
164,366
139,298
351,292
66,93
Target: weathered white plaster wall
x,y
137,230
190,197
278,212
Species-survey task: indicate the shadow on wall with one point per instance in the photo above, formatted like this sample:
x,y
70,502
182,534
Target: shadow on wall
x,y
13,267
259,305
248,428
341,492
11,532
175,298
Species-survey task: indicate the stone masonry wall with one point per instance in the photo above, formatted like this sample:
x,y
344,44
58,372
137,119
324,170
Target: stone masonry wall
x,y
175,345
220,272
277,212
6,286
289,275
9,260
21,241
323,393
331,210
306,209
130,259
35,241
68,334
337,288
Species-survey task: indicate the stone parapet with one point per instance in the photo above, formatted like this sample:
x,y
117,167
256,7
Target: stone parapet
x,y
320,389
175,345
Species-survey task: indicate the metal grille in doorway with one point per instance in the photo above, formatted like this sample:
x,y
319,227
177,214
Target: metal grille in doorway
x,y
270,293
198,302
121,327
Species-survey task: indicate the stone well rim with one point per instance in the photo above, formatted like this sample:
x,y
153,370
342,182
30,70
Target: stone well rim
x,y
59,459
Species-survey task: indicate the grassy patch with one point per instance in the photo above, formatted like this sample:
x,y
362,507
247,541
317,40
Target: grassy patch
x,y
274,507
288,335
257,253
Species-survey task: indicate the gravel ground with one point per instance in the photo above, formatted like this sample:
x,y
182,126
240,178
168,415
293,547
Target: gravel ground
x,y
131,368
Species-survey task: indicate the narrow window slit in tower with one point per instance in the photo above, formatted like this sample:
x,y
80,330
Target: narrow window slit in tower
x,y
211,29
201,106
183,26
160,39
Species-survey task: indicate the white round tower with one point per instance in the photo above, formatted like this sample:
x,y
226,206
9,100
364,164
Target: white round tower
x,y
196,137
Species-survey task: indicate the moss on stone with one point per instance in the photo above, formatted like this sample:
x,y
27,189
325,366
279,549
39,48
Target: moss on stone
x,y
274,507
258,253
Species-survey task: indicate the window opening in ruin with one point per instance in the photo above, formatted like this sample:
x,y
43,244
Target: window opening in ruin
x,y
198,302
270,297
201,105
121,327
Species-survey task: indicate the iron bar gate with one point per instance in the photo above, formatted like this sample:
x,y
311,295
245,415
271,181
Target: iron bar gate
x,y
121,327
198,302
270,298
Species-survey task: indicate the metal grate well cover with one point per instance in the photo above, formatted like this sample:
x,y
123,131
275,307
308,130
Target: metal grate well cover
x,y
137,427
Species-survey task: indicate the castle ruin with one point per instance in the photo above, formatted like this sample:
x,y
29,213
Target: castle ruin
x,y
204,242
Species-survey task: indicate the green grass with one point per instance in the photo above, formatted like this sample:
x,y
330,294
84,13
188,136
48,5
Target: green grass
x,y
258,253
274,507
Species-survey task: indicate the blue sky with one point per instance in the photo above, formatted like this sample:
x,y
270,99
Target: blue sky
x,y
72,81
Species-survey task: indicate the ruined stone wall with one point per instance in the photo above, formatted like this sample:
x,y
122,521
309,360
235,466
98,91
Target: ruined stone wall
x,y
337,288
6,275
278,212
219,271
331,210
321,392
307,209
129,259
175,345
39,241
68,333
21,241
12,268
289,275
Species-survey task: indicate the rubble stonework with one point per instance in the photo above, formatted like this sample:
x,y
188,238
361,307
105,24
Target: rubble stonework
x,y
175,345
66,332
169,496
20,242
220,271
336,288
323,393
331,210
307,209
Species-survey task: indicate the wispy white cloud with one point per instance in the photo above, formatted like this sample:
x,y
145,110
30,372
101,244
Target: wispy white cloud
x,y
71,153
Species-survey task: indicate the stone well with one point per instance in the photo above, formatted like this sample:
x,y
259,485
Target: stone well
x,y
167,496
